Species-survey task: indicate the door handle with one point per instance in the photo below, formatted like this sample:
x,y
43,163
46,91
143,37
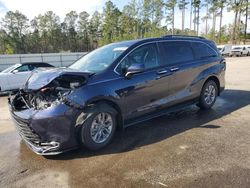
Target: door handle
x,y
174,69
162,72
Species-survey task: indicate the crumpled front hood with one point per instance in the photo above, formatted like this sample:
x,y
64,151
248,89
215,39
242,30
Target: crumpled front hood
x,y
44,76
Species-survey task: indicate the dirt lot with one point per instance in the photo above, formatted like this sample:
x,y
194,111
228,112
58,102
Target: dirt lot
x,y
191,148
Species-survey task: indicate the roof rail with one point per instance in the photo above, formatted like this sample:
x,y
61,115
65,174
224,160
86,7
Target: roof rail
x,y
185,36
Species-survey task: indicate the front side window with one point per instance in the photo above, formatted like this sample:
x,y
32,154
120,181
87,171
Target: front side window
x,y
177,52
146,55
23,68
31,67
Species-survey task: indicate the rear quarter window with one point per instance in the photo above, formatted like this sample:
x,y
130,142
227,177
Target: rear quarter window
x,y
202,50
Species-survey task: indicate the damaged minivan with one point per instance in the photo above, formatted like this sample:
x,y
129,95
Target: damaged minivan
x,y
115,86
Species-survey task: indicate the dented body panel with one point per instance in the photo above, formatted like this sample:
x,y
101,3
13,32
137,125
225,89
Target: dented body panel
x,y
54,103
42,77
53,124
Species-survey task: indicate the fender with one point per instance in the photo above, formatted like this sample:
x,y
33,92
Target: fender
x,y
90,94
214,70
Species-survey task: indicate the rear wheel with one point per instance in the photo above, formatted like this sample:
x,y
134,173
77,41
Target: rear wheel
x,y
208,95
98,130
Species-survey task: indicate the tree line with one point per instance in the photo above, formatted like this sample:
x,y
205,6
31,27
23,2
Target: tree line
x,y
138,19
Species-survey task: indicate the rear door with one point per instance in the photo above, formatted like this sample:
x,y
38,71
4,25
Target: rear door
x,y
185,67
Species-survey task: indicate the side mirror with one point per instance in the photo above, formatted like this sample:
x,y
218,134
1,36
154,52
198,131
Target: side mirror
x,y
134,69
15,71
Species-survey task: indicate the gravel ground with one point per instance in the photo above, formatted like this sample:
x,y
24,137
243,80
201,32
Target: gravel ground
x,y
190,148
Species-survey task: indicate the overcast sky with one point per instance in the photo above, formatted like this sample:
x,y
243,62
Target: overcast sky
x,y
32,8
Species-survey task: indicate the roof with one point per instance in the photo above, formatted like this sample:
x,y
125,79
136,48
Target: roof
x,y
26,63
36,63
183,36
166,37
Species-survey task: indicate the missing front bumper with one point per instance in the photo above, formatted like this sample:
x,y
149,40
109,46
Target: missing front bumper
x,y
33,140
46,132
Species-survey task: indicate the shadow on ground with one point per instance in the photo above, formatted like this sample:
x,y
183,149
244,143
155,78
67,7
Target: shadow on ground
x,y
164,127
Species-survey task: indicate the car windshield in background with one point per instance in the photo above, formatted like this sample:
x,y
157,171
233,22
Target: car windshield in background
x,y
99,59
11,68
219,48
237,48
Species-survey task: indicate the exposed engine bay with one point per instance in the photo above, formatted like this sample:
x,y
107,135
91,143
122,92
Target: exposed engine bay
x,y
49,95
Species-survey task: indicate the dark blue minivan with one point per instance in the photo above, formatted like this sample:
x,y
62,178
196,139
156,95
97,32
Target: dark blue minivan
x,y
114,86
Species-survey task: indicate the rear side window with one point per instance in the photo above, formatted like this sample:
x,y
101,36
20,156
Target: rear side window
x,y
202,50
177,52
31,67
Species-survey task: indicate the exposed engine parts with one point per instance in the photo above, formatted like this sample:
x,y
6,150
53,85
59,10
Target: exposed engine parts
x,y
49,95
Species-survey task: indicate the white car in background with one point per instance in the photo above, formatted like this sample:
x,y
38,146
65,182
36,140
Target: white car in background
x,y
239,51
15,76
248,48
225,49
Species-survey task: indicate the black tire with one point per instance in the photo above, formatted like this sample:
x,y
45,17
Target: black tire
x,y
85,134
203,104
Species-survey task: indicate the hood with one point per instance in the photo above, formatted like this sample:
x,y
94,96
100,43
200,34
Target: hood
x,y
63,77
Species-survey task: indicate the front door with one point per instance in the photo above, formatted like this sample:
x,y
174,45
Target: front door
x,y
18,77
144,92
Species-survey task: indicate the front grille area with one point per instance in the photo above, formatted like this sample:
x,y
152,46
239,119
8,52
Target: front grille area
x,y
26,132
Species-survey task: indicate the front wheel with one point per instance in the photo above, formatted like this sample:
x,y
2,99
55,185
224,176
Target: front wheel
x,y
98,130
208,95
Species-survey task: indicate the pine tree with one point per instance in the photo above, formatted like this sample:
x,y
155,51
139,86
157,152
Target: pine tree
x,y
170,8
182,6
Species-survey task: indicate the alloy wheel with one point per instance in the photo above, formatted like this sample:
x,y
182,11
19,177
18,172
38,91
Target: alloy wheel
x,y
101,127
210,94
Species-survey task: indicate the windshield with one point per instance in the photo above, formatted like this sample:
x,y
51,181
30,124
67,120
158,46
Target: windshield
x,y
99,59
219,49
11,68
237,48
